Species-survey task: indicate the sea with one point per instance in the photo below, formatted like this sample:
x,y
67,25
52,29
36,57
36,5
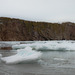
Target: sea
x,y
58,58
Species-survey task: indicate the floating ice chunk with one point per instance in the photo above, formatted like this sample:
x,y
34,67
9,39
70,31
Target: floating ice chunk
x,y
59,59
49,45
23,55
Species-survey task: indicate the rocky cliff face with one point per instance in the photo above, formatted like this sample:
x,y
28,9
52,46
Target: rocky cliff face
x,y
20,30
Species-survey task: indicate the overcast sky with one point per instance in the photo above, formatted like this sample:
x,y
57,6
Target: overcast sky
x,y
39,10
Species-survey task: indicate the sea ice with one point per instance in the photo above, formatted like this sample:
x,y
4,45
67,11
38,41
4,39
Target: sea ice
x,y
23,55
48,45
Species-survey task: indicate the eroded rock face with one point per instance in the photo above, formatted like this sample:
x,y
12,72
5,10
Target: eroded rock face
x,y
20,30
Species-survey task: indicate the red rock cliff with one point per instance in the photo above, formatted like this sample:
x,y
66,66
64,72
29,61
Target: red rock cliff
x,y
20,30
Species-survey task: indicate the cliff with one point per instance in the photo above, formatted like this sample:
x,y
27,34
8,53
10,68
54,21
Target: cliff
x,y
20,30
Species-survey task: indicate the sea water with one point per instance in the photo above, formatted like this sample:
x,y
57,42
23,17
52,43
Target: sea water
x,y
58,58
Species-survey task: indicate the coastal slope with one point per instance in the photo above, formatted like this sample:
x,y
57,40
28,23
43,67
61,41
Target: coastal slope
x,y
12,29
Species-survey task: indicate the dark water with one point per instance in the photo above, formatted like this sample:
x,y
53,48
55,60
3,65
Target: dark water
x,y
51,63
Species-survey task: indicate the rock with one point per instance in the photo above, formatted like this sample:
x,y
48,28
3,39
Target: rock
x,y
6,48
20,30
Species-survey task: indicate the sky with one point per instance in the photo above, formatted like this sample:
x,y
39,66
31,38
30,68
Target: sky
x,y
39,10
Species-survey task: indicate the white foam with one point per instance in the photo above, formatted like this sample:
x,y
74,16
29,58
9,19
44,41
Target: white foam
x,y
23,55
49,45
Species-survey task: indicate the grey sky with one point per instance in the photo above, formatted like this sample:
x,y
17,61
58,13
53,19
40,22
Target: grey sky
x,y
39,10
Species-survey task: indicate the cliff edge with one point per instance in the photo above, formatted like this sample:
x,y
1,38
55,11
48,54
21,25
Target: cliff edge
x,y
20,30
